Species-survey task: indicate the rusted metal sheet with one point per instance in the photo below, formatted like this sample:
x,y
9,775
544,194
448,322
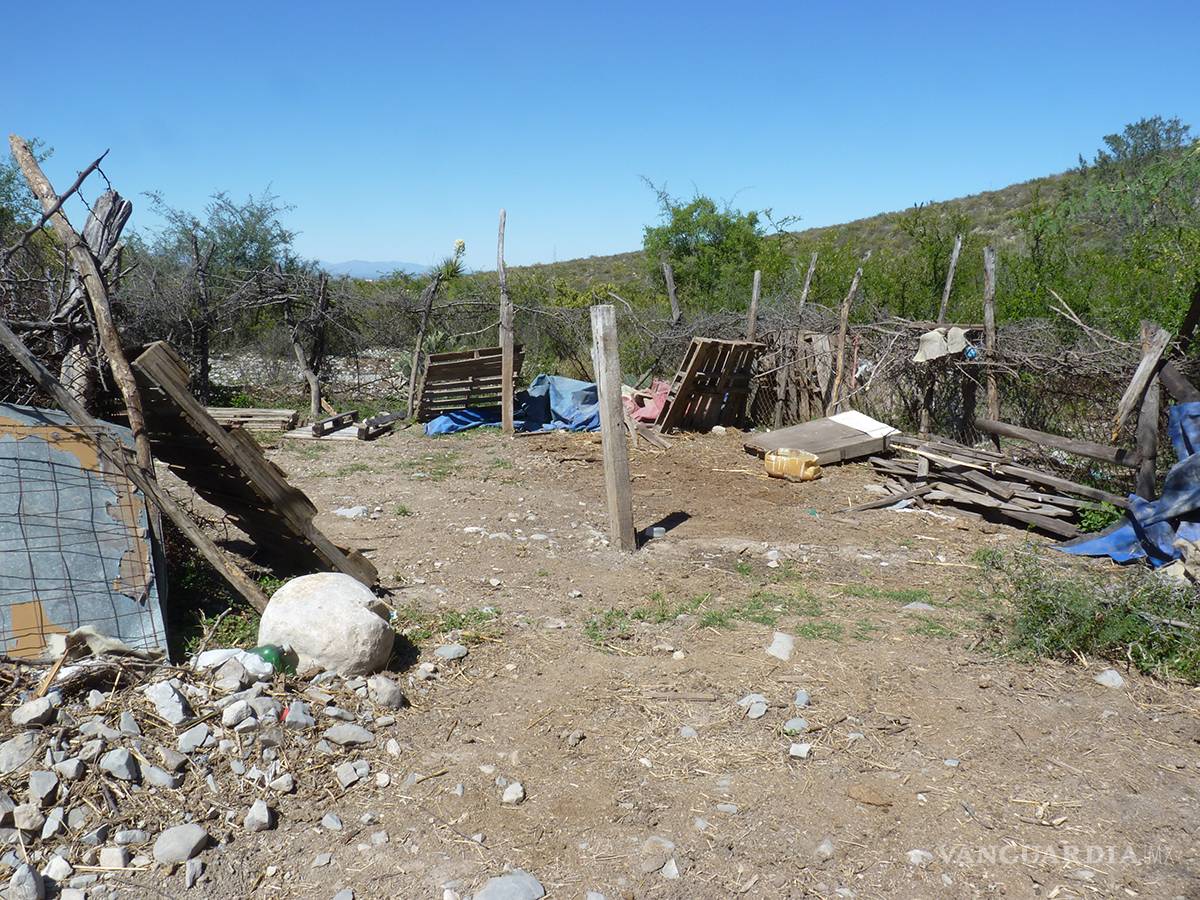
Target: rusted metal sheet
x,y
77,545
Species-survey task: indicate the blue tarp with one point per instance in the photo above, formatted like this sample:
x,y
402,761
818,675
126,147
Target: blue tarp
x,y
552,403
1151,527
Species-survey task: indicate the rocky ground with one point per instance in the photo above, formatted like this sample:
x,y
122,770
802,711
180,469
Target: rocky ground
x,y
776,699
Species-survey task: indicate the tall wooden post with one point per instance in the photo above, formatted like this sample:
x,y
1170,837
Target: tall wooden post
x,y
669,278
752,318
1147,425
506,338
808,276
607,364
931,373
949,280
989,331
843,326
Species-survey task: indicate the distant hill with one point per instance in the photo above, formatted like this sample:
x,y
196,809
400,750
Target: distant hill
x,y
365,268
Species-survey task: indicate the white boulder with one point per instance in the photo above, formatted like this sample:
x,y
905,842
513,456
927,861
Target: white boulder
x,y
332,622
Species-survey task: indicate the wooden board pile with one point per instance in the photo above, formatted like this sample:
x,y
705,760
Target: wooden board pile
x,y
987,483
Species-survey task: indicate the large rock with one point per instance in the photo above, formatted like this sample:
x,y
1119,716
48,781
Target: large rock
x,y
516,885
331,622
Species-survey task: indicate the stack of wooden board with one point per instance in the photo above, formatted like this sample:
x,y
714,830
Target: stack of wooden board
x,y
464,379
253,419
711,386
228,469
984,482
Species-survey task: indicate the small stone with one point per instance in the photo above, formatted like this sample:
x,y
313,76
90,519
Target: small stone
x,y
43,787
392,746
259,818
348,735
192,872
161,778
36,712
513,794
385,692
77,818
193,739
53,826
95,699
1110,678
729,809
654,853
795,726
781,646
28,817
284,784
336,712
91,750
687,731
575,738
450,652
231,676
58,869
298,716
172,760
321,860
800,751
379,838
332,822
383,779
755,705
346,774
169,703
515,885
670,871
120,764
919,606
344,894
16,752
235,713
179,844
131,836
951,763
127,724
70,769
919,858
26,884
802,700
114,857
824,850
352,512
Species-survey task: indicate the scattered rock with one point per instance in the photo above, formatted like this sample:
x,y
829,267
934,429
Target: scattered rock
x,y
260,817
71,768
575,738
654,853
331,621
919,606
919,858
670,871
782,646
385,692
802,700
795,726
131,836
26,884
346,774
192,739
298,716
515,885
114,857
513,794
179,844
450,652
824,850
800,751
352,512
18,751
1110,678
321,860
348,735
192,872
755,705
36,712
43,787
332,822
687,731
127,724
28,817
284,784
235,712
58,869
169,703
120,764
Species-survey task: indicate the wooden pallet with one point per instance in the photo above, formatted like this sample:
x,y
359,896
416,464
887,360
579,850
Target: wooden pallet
x,y
464,379
228,469
253,419
711,386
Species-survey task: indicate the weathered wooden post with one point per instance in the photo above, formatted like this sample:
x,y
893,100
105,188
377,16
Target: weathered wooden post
x,y
989,334
607,365
669,278
1147,425
506,338
752,318
843,326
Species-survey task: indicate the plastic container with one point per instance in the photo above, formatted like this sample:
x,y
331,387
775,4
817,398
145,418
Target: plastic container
x,y
794,465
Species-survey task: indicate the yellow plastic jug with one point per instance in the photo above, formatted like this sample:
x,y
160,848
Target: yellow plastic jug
x,y
794,465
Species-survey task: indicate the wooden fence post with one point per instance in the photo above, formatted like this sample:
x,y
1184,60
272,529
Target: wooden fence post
x,y
808,276
1147,425
607,364
989,334
843,326
506,337
669,277
752,318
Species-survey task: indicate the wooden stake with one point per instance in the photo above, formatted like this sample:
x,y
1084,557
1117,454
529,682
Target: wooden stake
x,y
116,454
949,280
989,335
506,337
669,277
931,383
1154,344
607,364
97,293
808,276
1147,425
752,318
843,326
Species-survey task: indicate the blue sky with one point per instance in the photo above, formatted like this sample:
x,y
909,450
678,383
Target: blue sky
x,y
394,129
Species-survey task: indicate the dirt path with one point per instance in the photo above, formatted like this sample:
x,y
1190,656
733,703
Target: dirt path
x,y
608,685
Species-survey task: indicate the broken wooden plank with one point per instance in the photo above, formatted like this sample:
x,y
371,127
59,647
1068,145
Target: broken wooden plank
x,y
1155,341
1103,452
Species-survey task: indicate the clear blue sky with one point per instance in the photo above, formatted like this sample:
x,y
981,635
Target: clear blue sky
x,y
396,128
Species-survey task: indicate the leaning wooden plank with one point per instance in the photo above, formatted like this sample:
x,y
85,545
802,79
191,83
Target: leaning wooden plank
x,y
1103,452
163,375
1155,341
1177,385
892,499
1042,523
115,453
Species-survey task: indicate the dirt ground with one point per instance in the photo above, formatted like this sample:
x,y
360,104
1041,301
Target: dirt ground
x,y
1019,779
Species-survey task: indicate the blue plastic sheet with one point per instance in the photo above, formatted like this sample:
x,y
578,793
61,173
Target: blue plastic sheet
x,y
1151,527
552,403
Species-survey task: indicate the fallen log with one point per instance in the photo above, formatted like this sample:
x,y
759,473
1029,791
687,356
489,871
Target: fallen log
x,y
1090,449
